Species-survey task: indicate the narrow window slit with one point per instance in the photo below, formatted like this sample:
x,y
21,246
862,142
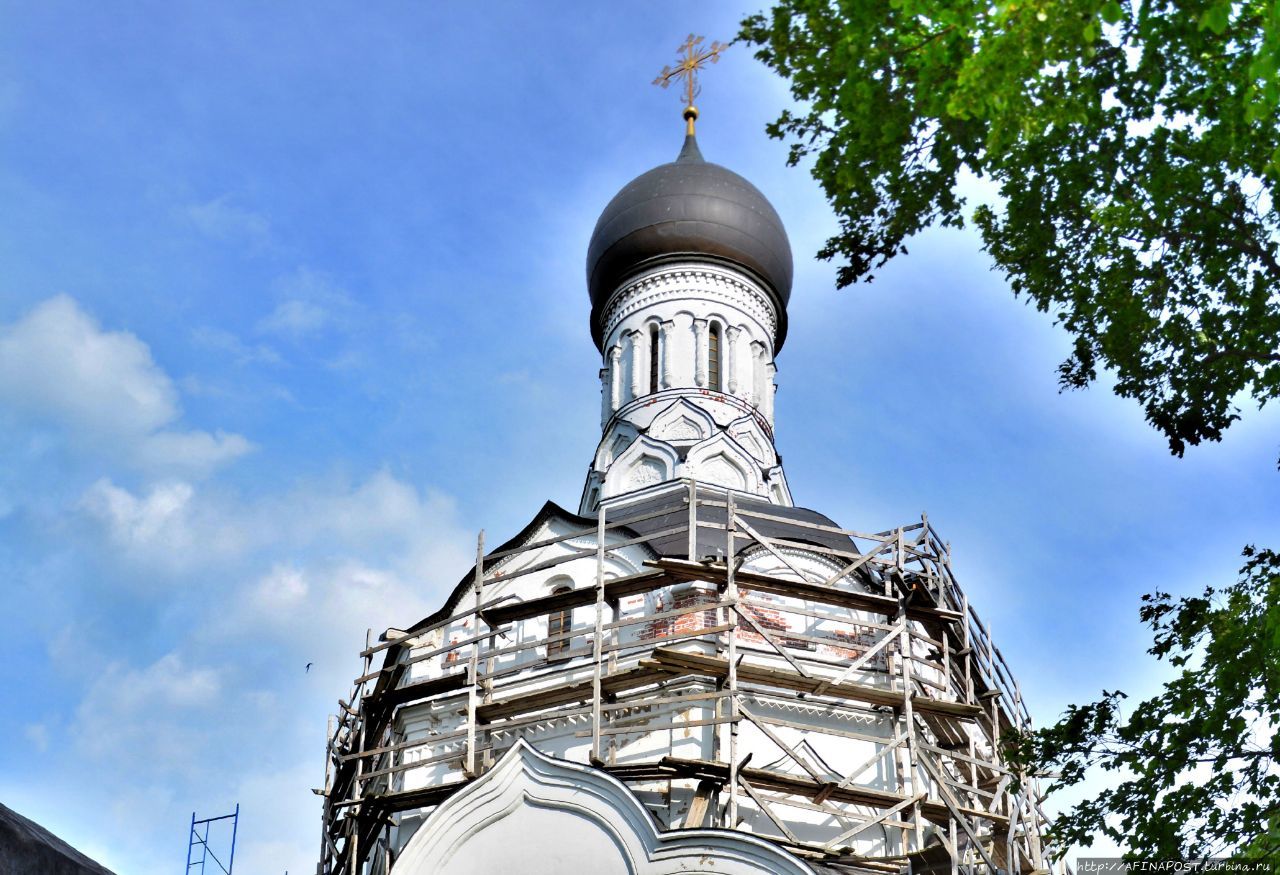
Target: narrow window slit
x,y
713,359
653,359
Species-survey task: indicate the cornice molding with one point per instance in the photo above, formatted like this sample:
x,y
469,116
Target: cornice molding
x,y
683,283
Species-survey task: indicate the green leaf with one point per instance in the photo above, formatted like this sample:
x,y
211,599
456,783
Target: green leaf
x,y
1216,18
1273,166
1263,65
1135,232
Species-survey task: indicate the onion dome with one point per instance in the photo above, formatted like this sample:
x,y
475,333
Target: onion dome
x,y
688,210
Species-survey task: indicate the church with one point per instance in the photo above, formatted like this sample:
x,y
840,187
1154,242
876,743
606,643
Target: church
x,y
689,671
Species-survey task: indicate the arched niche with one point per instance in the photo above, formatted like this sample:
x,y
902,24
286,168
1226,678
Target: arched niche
x,y
720,461
751,437
614,443
644,463
682,422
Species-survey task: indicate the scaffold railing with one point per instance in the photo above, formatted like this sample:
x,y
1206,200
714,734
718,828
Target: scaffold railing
x,y
749,629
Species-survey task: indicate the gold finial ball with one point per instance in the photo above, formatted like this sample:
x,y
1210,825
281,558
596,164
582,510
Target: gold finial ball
x,y
690,116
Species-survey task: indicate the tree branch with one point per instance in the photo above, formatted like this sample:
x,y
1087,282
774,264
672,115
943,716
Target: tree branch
x,y
920,45
1212,357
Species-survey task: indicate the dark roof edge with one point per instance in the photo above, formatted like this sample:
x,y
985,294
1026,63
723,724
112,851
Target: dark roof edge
x,y
550,510
25,843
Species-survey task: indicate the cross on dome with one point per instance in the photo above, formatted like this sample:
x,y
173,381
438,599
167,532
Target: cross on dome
x,y
692,59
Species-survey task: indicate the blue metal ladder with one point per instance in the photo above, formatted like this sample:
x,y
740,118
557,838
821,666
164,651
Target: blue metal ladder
x,y
199,838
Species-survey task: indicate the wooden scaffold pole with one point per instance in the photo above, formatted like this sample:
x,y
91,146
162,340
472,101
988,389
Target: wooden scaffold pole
x,y
937,792
597,646
908,717
731,598
693,521
473,664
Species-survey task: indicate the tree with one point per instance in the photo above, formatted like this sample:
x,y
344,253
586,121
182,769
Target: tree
x,y
1202,755
1135,146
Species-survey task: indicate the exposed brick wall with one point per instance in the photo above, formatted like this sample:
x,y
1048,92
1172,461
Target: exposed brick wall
x,y
849,640
769,619
860,640
690,622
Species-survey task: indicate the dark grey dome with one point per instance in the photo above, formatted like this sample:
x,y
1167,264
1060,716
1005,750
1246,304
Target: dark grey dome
x,y
688,209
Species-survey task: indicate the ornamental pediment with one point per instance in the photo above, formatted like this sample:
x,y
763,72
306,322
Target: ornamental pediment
x,y
538,815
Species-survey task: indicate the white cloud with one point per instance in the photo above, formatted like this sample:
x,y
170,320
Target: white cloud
x,y
241,353
159,709
379,523
378,554
174,528
56,361
57,365
192,450
38,735
280,591
310,303
381,506
281,816
320,612
296,318
160,517
221,219
267,585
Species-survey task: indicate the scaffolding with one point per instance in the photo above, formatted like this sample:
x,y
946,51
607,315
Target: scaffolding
x,y
201,840
913,652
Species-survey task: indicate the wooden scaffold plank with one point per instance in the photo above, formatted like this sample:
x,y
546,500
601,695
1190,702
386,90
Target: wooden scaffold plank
x,y
681,662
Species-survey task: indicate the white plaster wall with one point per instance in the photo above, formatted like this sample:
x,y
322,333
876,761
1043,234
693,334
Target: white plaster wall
x,y
537,815
684,300
685,303
839,738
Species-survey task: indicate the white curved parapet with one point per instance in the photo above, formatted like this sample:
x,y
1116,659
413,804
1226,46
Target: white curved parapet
x,y
534,814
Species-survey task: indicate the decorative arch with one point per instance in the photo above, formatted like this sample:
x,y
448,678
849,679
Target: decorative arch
x,y
615,443
642,464
538,815
558,581
723,470
620,564
724,318
682,422
592,497
748,433
779,491
800,565
722,462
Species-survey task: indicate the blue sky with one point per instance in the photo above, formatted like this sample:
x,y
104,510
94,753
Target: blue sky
x,y
292,304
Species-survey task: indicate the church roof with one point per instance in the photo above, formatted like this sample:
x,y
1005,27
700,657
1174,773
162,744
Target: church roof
x,y
688,209
26,846
712,541
671,545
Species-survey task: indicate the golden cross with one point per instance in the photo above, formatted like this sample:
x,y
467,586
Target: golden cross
x,y
692,59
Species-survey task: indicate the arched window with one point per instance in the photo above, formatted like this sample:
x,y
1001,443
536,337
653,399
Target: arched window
x,y
653,359
713,358
559,623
